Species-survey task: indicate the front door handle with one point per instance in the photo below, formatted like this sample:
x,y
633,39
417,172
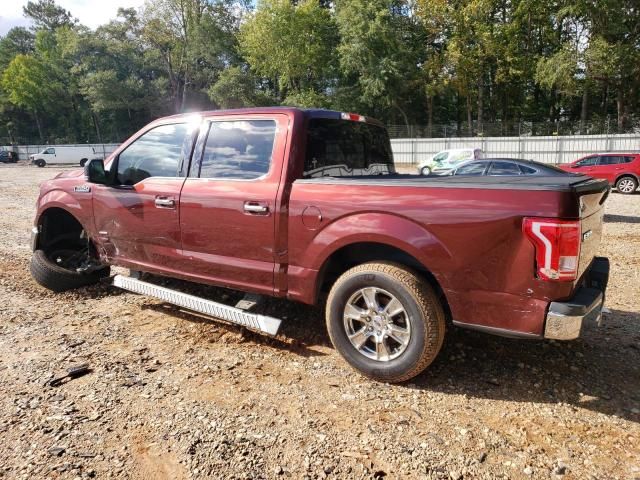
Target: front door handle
x,y
253,207
163,202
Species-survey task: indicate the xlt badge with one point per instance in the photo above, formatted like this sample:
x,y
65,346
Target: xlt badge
x,y
586,235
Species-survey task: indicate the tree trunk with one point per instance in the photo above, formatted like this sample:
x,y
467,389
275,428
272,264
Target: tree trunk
x,y
469,116
184,90
404,115
480,104
430,116
583,110
620,106
37,118
95,123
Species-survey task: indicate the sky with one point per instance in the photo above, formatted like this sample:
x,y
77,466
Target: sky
x,y
91,13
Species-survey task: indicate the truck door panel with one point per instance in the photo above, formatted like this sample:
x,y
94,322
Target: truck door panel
x,y
137,219
228,203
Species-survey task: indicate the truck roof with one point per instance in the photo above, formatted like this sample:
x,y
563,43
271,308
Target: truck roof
x,y
307,112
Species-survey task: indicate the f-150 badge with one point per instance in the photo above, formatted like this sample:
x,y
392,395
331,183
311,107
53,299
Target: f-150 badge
x,y
82,189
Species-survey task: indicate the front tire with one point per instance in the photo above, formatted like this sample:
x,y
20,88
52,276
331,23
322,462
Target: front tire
x,y
425,171
385,321
626,185
47,273
41,163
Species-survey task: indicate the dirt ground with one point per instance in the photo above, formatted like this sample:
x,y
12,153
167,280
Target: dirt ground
x,y
172,395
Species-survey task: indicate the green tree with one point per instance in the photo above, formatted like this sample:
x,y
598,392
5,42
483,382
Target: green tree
x,y
291,44
237,88
27,83
47,14
380,46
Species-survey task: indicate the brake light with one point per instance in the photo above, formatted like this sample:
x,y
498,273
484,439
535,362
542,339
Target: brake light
x,y
354,117
557,244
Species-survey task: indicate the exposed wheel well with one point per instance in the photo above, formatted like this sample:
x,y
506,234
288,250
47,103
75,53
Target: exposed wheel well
x,y
357,253
57,226
630,175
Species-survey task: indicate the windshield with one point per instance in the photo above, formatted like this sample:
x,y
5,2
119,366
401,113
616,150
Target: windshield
x,y
441,157
343,148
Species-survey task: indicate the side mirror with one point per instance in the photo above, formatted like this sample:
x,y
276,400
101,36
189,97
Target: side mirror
x,y
95,172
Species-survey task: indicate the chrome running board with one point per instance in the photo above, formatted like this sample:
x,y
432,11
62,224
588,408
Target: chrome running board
x,y
262,323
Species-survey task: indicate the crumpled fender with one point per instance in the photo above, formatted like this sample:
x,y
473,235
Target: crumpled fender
x,y
388,229
57,198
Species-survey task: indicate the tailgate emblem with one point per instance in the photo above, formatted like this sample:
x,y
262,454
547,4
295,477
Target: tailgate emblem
x,y
586,235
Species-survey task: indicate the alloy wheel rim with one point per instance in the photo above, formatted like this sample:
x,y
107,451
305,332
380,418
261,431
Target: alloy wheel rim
x,y
377,324
625,186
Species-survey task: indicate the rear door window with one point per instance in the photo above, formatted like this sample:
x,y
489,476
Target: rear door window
x,y
238,149
343,148
504,168
473,168
528,170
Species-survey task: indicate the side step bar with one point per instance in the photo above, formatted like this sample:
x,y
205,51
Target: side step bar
x,y
262,323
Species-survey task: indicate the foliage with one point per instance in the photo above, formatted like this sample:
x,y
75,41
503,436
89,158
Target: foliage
x,y
462,64
291,44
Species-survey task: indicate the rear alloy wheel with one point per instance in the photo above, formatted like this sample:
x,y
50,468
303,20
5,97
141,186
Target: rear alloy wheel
x,y
385,320
627,185
425,171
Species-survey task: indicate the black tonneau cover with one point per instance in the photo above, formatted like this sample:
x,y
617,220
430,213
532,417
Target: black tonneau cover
x,y
564,183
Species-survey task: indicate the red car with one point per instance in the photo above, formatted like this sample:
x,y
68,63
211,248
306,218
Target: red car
x,y
621,170
306,205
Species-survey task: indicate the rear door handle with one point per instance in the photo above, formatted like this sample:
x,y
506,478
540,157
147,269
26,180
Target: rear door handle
x,y
254,207
164,202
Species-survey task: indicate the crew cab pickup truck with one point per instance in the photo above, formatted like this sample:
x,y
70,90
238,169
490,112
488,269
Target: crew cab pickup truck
x,y
307,205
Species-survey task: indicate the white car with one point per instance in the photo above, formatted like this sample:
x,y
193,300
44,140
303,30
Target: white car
x,y
64,154
448,159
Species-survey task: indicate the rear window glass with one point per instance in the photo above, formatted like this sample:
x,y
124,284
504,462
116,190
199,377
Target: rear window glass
x,y
504,168
238,149
342,148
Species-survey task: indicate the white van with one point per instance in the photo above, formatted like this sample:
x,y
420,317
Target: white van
x,y
447,159
64,154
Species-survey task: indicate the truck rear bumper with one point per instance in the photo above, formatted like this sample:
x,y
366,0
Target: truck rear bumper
x,y
566,320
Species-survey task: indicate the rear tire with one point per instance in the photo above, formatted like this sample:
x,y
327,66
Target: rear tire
x,y
626,185
41,163
58,279
83,162
398,346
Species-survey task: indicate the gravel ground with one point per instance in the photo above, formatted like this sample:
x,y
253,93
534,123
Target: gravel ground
x,y
174,395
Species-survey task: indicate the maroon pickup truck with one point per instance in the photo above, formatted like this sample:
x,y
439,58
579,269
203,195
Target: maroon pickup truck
x,y
306,205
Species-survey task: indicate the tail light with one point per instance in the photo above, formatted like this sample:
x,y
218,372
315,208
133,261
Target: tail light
x,y
354,117
557,244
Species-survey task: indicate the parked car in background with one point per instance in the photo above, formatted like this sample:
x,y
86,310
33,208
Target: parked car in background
x,y
448,159
63,154
622,170
7,156
505,167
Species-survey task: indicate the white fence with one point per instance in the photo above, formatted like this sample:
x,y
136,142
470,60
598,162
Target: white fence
x,y
23,151
410,151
